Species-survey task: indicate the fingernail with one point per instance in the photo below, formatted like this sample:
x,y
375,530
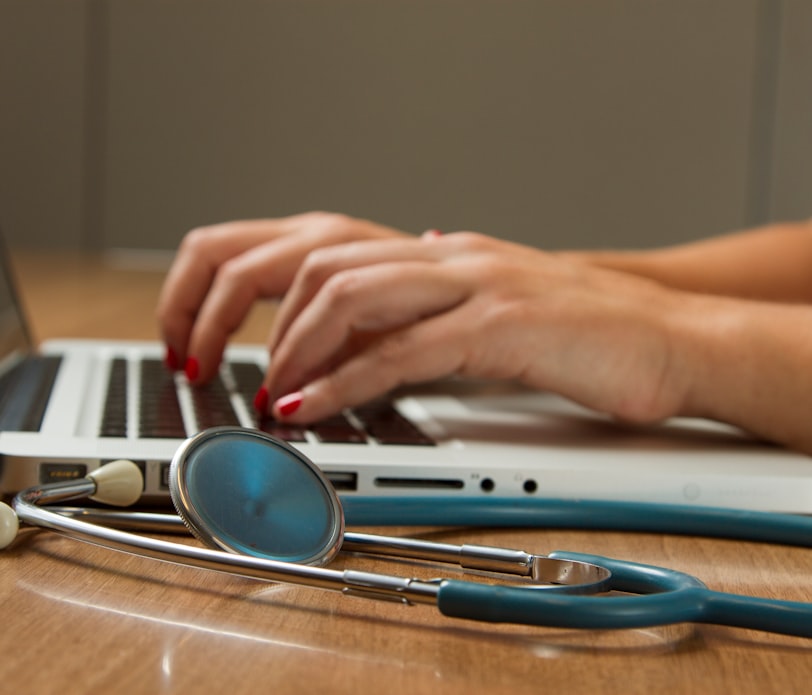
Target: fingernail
x,y
261,400
171,359
432,234
192,368
287,405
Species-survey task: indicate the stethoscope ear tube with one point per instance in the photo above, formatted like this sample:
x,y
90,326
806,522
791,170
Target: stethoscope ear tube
x,y
663,597
667,597
535,512
504,604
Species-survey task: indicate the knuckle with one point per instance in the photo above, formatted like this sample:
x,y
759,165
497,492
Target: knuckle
x,y
393,348
230,273
329,224
202,241
507,313
342,288
338,228
198,240
165,315
473,241
317,266
331,393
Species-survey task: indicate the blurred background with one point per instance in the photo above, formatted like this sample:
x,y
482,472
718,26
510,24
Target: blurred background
x,y
559,123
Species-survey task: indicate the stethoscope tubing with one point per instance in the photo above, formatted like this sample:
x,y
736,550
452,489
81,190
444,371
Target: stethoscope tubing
x,y
661,596
677,597
683,599
538,512
680,598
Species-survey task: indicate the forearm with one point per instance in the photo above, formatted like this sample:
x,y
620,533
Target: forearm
x,y
749,364
772,263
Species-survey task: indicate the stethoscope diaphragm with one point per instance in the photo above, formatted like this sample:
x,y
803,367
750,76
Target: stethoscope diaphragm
x,y
247,492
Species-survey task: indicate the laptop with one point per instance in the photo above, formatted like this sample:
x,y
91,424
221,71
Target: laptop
x,y
70,406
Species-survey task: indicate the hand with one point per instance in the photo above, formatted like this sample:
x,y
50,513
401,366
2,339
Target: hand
x,y
221,270
362,318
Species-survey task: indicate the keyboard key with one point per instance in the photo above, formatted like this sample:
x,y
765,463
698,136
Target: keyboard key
x,y
212,405
280,430
337,430
160,414
114,419
247,378
387,426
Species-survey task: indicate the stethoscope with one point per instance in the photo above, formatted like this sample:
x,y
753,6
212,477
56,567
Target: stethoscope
x,y
266,511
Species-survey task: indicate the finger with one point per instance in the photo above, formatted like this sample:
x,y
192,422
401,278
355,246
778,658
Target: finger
x,y
324,263
202,256
424,351
375,298
201,253
263,271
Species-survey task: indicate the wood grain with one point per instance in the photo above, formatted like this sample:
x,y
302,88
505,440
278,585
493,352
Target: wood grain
x,y
80,619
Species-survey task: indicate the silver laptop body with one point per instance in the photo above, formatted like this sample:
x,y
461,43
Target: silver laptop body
x,y
74,405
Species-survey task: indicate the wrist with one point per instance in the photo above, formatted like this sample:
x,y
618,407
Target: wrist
x,y
746,363
645,264
708,335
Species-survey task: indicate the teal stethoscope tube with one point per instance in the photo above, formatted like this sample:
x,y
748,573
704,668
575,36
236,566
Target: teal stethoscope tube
x,y
714,522
677,598
662,596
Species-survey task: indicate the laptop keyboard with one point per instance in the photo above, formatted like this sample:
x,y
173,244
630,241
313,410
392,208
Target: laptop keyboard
x,y
24,393
161,415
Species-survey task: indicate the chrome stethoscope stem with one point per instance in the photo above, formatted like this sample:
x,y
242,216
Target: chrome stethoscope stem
x,y
540,569
375,586
484,558
58,492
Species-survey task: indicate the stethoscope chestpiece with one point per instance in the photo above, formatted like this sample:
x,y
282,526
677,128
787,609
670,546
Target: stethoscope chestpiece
x,y
247,492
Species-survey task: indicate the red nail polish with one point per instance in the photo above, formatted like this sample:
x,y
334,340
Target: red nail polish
x,y
171,359
261,400
432,234
287,405
192,368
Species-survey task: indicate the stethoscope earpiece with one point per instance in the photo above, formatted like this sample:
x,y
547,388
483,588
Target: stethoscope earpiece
x,y
118,483
9,525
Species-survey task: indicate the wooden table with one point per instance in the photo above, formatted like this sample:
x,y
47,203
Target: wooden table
x,y
81,619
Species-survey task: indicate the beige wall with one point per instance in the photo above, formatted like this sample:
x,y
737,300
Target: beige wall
x,y
42,121
635,122
790,190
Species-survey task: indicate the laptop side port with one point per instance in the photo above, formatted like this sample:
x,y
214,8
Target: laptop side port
x,y
421,483
164,483
58,472
341,481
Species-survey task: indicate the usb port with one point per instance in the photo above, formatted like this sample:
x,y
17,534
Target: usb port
x,y
343,481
